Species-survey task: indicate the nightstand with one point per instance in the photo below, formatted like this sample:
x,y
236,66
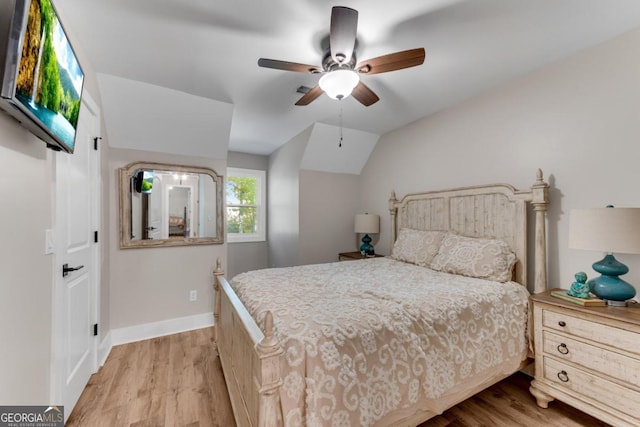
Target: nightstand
x,y
351,256
588,357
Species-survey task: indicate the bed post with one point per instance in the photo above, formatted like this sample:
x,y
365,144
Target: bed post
x,y
268,377
217,273
392,211
540,202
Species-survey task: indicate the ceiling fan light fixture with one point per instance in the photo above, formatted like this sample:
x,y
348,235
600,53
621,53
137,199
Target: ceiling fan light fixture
x,y
339,84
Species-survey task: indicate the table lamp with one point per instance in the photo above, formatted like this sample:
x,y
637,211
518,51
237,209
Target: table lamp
x,y
367,224
608,230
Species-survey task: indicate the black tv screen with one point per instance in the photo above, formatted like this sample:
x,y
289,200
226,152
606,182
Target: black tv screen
x,y
42,80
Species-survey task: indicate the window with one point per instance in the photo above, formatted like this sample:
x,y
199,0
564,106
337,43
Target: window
x,y
246,205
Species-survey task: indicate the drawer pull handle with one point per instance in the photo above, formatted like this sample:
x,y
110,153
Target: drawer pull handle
x,y
563,349
562,323
563,376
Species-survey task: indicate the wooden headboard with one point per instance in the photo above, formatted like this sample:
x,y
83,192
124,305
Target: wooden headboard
x,y
493,211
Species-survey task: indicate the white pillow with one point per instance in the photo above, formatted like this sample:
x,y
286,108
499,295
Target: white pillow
x,y
417,246
490,259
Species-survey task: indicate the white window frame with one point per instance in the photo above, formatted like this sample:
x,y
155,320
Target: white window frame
x,y
261,196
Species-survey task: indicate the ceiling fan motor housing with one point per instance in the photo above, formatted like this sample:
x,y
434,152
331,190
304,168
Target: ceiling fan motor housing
x,y
329,64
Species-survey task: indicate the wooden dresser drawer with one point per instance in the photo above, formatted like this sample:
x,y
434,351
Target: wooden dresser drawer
x,y
592,387
603,360
607,335
588,357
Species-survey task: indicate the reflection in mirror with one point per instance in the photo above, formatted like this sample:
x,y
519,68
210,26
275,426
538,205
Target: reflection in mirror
x,y
169,205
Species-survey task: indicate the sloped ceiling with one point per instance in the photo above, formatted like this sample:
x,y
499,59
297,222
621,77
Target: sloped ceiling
x,y
332,149
146,117
209,49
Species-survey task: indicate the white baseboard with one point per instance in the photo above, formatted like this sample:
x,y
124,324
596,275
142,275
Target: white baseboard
x,y
159,329
104,349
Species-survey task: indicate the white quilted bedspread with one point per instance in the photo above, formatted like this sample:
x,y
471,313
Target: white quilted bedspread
x,y
364,339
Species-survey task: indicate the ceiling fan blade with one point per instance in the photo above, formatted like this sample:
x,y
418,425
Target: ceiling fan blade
x,y
310,96
364,95
342,35
392,62
289,66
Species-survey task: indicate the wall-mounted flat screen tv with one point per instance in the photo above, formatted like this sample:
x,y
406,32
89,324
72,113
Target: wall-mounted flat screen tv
x,y
42,79
143,181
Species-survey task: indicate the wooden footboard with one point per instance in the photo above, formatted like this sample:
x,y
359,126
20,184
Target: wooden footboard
x,y
250,359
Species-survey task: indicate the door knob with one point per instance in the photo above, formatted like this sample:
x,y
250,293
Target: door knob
x,y
66,269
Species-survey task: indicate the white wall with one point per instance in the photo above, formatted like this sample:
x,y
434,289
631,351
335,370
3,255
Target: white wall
x,y
26,282
327,208
313,195
153,284
283,201
578,120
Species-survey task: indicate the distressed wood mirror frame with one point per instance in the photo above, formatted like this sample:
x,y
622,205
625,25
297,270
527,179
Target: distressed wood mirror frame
x,y
127,179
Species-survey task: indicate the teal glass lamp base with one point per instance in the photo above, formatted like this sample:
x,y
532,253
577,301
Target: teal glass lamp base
x,y
609,286
366,249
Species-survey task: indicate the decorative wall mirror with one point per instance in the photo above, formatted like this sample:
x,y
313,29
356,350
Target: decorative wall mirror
x,y
169,205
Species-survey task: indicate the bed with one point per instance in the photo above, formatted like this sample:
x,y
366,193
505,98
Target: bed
x,y
394,340
177,226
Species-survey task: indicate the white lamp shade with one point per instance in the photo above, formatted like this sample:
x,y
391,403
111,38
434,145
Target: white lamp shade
x,y
605,229
339,84
367,224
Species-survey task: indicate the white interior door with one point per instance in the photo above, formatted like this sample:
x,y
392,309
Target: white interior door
x,y
155,210
75,296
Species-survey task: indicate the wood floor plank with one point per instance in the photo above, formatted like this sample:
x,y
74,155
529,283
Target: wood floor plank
x,y
511,401
177,381
149,404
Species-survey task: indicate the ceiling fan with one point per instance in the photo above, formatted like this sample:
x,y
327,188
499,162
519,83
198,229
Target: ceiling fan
x,y
340,70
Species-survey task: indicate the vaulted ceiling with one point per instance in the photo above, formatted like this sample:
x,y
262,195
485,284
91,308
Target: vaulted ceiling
x,y
210,49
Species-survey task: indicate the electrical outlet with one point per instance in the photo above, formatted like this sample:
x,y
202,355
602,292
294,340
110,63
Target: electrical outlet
x,y
193,295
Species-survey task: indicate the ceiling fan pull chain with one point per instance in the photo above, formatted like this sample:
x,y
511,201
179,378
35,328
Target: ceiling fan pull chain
x,y
340,142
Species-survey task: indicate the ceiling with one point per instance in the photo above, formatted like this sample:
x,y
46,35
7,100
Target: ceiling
x,y
210,49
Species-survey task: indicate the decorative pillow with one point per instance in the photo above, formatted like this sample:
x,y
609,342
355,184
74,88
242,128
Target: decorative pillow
x,y
489,259
417,246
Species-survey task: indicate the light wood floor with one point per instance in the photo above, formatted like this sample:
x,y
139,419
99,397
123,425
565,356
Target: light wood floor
x,y
177,381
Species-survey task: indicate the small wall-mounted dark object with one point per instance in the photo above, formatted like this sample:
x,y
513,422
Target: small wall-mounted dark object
x,y
137,181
